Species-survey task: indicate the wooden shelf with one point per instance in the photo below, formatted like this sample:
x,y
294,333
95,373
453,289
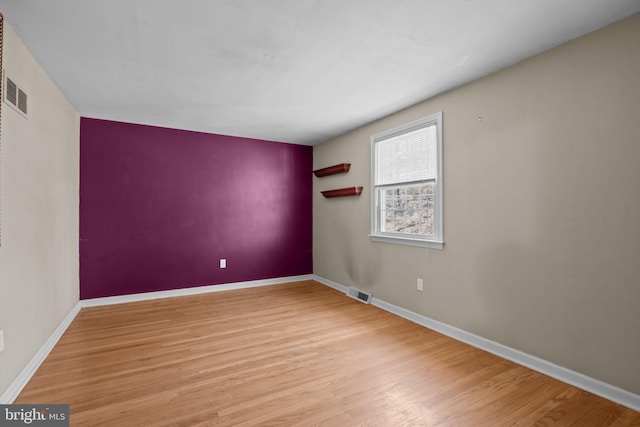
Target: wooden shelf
x,y
342,192
332,170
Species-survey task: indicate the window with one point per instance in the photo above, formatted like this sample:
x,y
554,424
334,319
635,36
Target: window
x,y
406,174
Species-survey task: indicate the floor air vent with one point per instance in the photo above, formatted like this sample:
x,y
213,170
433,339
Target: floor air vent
x,y
354,293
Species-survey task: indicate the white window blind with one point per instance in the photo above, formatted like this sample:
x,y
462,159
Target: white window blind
x,y
408,157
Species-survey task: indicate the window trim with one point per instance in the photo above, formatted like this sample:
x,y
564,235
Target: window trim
x,y
436,242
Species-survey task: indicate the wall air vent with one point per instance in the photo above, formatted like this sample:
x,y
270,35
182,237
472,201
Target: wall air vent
x,y
15,96
361,296
12,92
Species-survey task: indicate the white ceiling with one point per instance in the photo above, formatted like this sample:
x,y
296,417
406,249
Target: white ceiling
x,y
300,71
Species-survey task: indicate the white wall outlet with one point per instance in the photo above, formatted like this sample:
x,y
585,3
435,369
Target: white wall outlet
x,y
1,340
420,285
223,263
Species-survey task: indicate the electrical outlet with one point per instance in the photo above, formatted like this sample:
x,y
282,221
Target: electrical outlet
x,y
223,263
1,340
420,285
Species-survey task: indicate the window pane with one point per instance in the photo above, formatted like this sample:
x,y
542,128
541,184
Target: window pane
x,y
408,157
407,209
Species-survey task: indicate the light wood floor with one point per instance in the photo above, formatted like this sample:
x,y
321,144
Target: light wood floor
x,y
293,354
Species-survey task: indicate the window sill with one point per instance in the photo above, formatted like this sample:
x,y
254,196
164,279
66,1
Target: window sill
x,y
432,244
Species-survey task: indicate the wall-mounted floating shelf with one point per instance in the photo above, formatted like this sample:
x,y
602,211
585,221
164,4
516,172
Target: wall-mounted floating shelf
x,y
332,170
342,192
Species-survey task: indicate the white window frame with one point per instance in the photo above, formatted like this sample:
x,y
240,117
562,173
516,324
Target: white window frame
x,y
436,241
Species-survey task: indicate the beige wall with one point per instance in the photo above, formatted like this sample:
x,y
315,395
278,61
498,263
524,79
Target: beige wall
x,y
39,252
542,209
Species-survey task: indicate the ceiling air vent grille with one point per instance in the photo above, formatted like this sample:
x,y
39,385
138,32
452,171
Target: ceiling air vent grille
x,y
15,96
362,296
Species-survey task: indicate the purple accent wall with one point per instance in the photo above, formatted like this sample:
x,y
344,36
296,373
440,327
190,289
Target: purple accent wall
x,y
159,207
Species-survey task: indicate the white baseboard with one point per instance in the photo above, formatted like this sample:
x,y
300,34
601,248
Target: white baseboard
x,y
32,366
25,375
335,285
602,389
94,302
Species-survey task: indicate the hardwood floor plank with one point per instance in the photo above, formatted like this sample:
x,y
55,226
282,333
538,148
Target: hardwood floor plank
x,y
285,355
